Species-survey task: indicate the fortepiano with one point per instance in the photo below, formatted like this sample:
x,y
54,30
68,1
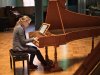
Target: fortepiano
x,y
67,26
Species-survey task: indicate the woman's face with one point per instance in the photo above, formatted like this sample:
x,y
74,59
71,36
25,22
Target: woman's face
x,y
26,23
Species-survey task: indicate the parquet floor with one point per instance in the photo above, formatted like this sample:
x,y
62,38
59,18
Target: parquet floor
x,y
70,56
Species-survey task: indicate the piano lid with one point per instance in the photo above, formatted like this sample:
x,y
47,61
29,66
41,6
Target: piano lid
x,y
52,16
61,18
72,19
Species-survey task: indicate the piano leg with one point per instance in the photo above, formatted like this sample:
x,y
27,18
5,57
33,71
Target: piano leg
x,y
50,62
46,55
56,67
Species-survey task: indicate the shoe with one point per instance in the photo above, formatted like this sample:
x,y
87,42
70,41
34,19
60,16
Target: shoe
x,y
32,66
50,63
46,68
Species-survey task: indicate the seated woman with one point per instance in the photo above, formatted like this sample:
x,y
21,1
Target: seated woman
x,y
19,42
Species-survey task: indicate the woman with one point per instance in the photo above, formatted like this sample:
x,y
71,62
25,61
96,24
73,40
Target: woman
x,y
19,42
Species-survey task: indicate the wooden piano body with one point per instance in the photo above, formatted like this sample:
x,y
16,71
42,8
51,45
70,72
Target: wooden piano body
x,y
67,26
48,40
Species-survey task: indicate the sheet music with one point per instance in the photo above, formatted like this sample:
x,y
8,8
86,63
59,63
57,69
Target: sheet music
x,y
43,28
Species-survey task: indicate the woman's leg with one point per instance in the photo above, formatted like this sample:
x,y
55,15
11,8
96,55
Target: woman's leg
x,y
38,54
32,52
40,58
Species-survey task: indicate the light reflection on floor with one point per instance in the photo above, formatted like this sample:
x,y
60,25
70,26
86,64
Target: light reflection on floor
x,y
63,51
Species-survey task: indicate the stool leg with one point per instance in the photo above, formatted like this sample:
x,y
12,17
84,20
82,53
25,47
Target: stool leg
x,y
10,62
28,66
23,67
23,64
14,67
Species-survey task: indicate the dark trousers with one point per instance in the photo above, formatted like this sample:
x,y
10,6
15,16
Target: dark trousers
x,y
34,51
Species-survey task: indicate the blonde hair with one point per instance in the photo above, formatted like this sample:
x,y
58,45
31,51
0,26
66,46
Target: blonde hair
x,y
23,19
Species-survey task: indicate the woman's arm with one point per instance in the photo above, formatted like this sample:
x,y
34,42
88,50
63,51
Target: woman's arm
x,y
22,36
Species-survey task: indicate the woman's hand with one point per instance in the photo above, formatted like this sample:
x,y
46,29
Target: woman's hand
x,y
36,39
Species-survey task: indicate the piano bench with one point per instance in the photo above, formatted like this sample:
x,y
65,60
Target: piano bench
x,y
18,56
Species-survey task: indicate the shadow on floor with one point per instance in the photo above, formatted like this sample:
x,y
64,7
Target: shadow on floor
x,y
21,71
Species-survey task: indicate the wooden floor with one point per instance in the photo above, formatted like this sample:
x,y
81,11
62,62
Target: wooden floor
x,y
70,56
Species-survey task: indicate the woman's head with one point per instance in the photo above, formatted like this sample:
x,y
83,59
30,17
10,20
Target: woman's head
x,y
24,21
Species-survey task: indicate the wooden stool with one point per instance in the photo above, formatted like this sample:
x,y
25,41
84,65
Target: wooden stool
x,y
18,56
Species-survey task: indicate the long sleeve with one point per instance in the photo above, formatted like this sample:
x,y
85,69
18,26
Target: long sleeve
x,y
22,37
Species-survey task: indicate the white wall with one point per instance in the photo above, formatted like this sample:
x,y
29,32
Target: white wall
x,y
4,3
